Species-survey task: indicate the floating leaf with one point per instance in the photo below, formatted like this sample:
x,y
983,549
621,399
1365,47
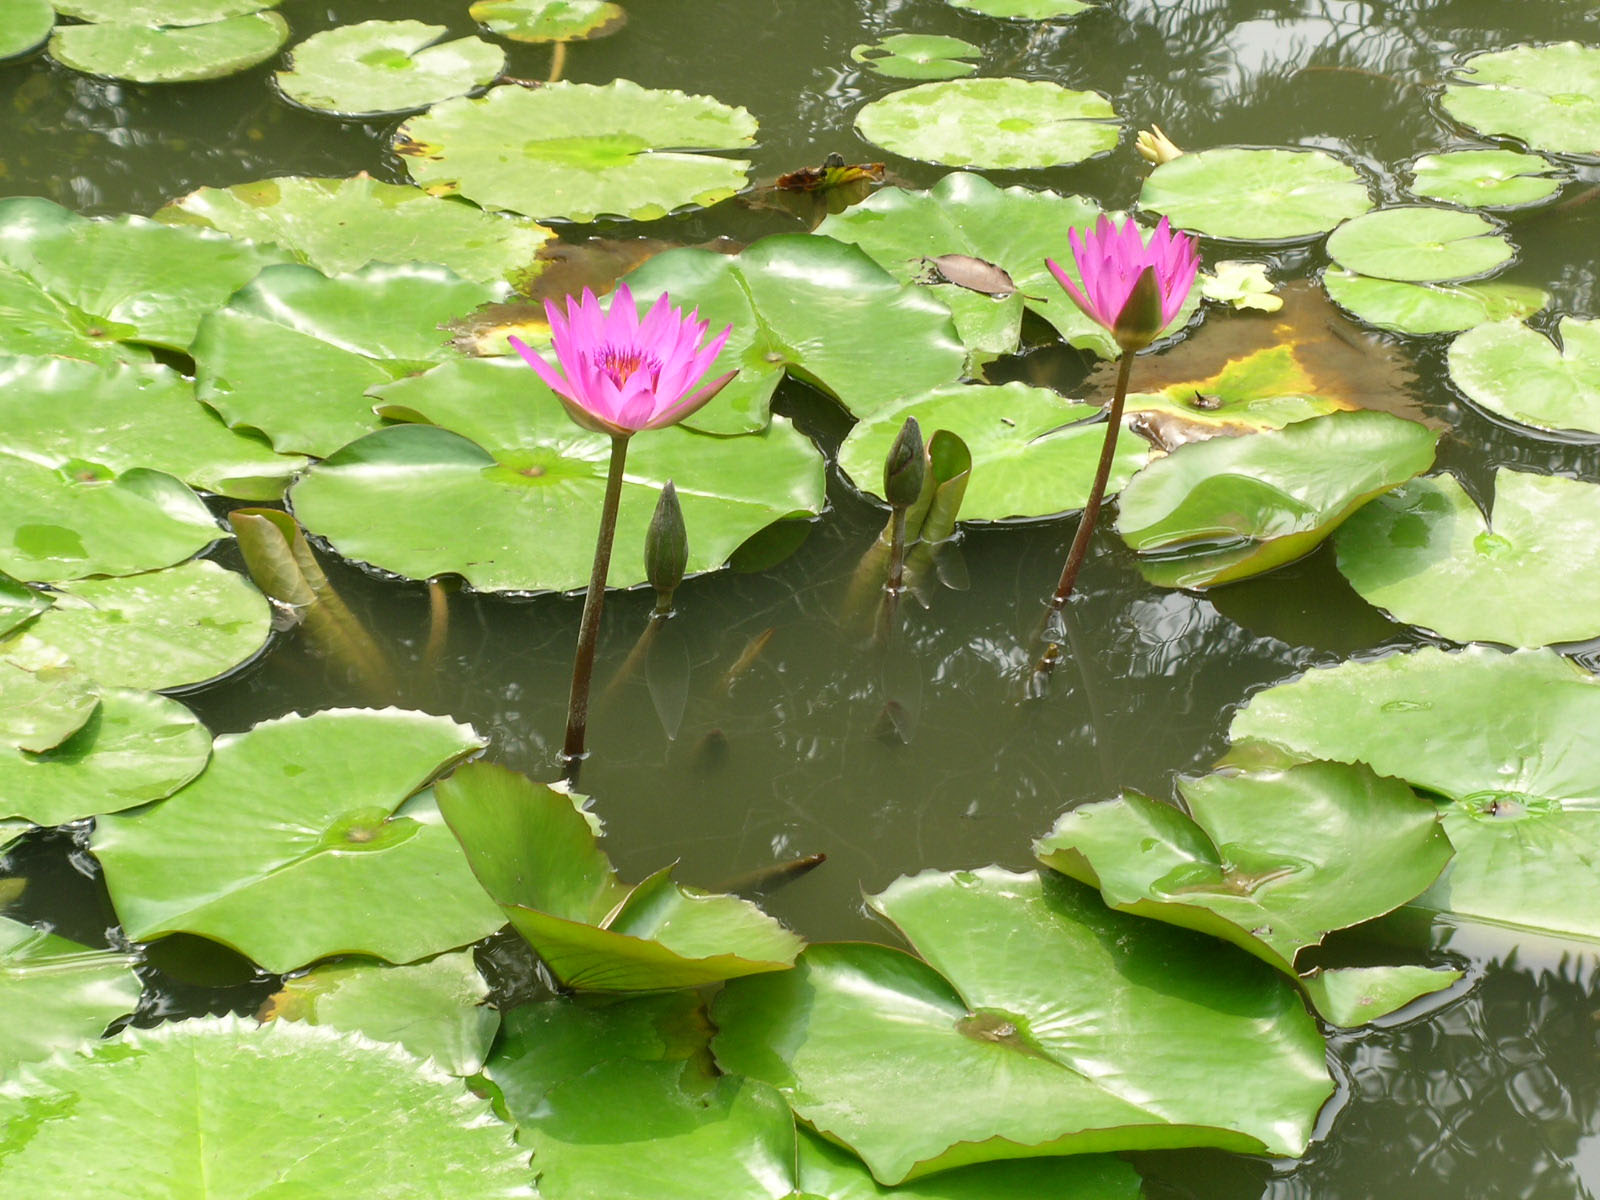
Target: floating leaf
x,y
1545,96
1420,244
210,1108
38,323
186,54
1354,996
1025,10
374,68
56,994
583,151
19,604
160,12
813,193
1423,308
918,56
299,842
1519,374
1486,178
10,831
1524,577
1241,284
25,25
992,124
43,699
1246,194
549,20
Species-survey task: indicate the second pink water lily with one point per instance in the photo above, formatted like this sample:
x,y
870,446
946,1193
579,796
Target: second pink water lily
x,y
1132,287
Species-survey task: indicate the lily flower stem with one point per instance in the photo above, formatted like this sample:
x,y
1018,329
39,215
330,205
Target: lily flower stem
x,y
895,582
593,601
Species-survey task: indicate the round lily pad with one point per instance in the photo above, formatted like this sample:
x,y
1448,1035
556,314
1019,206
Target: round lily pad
x,y
1486,178
378,67
549,20
182,54
1525,577
25,25
918,56
1423,308
994,124
1251,194
160,12
1420,244
1517,373
214,1107
1025,10
1547,97
1034,452
299,842
44,699
581,150
58,994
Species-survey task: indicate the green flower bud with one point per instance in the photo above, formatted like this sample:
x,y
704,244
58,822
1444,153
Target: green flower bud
x,y
1139,322
666,544
903,470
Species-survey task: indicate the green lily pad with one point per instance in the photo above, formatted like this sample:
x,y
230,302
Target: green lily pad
x,y
536,854
342,225
1355,996
1423,308
38,323
1547,97
1062,1026
160,629
209,1108
423,501
1025,10
160,12
582,151
10,831
992,124
1416,243
293,354
1272,861
299,842
19,604
1033,451
1486,178
178,54
918,56
1506,739
57,410
810,306
1247,194
436,1009
1252,503
44,699
378,67
25,25
549,20
1518,374
123,278
1525,577
56,994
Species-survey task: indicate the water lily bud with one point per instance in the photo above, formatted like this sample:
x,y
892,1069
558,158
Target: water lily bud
x,y
1140,320
904,468
1155,147
666,544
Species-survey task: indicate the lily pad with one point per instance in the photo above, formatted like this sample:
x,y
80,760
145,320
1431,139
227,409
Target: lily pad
x,y
10,831
378,67
342,225
1033,451
582,151
178,54
1525,577
160,12
422,501
918,56
1251,194
1025,10
19,604
38,323
299,842
56,994
829,1173
1253,503
1547,97
549,20
208,1108
1063,1026
1423,308
536,854
43,699
1518,374
992,124
293,354
1355,996
25,25
1418,243
1486,178
1506,739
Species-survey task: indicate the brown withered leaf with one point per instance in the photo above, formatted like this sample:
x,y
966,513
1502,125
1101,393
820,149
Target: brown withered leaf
x,y
812,193
965,271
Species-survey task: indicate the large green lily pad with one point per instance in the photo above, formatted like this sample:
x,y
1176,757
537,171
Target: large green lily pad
x,y
293,354
1527,576
536,854
209,1108
160,12
422,501
25,25
992,124
582,151
549,20
1418,243
1062,1027
342,225
1486,178
299,842
1247,194
1518,374
377,67
1506,739
1545,96
56,994
178,54
1034,452
1423,308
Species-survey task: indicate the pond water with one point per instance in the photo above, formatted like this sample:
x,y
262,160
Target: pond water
x,y
1491,1089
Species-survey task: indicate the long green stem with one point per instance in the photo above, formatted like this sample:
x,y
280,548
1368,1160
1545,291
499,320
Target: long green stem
x,y
895,583
593,601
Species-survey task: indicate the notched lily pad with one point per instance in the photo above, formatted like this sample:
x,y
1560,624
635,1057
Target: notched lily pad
x,y
1353,996
56,994
44,699
549,20
1417,243
378,67
918,56
170,54
160,12
1486,178
1254,194
1423,308
1518,374
1025,10
25,25
1545,96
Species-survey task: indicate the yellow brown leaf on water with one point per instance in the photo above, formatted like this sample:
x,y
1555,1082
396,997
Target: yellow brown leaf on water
x,y
812,193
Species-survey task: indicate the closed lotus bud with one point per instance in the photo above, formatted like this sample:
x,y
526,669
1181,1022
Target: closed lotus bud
x,y
1155,147
903,470
1140,320
666,544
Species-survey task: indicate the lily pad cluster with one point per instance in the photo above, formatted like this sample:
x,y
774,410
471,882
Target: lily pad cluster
x,y
167,41
1547,97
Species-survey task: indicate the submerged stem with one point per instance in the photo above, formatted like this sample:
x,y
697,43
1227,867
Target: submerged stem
x,y
894,584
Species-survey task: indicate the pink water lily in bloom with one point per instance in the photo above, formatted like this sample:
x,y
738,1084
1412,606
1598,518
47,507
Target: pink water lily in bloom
x,y
1131,287
621,373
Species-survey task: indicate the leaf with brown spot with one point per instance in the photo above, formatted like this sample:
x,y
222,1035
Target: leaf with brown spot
x,y
812,193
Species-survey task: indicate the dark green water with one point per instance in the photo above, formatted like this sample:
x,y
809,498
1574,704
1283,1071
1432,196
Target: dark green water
x,y
1494,1091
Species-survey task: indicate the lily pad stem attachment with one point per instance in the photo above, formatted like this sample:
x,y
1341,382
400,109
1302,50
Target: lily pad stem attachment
x,y
572,750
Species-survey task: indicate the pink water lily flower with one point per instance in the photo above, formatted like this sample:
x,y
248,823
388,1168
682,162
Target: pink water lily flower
x,y
1130,287
620,373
